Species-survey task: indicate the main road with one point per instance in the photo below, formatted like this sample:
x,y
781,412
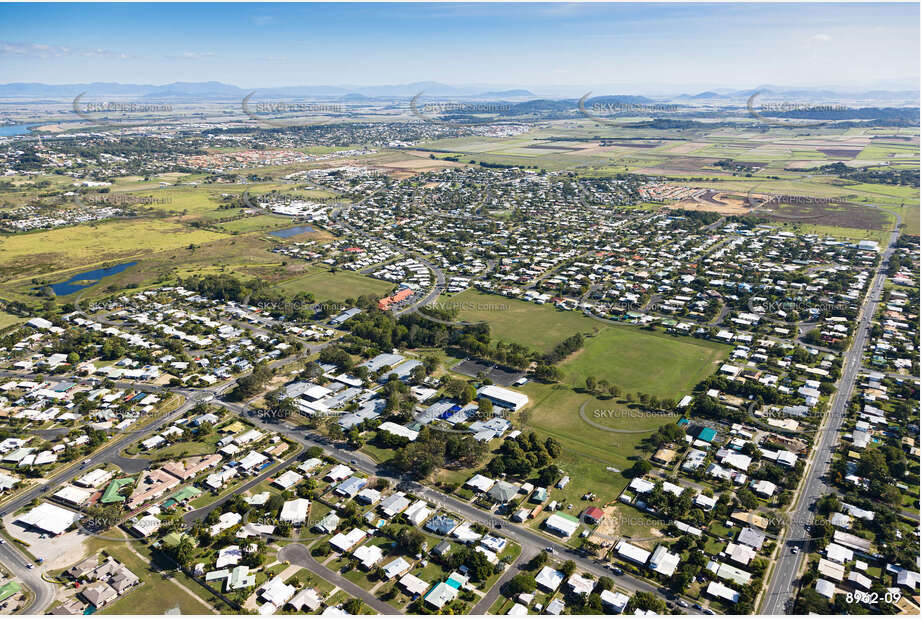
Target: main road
x,y
780,593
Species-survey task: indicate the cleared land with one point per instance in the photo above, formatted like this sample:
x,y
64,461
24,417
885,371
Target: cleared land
x,y
338,286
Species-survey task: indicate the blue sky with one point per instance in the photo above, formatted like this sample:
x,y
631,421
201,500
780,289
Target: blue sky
x,y
664,47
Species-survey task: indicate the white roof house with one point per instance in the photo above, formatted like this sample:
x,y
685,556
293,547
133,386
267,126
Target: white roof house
x,y
564,526
295,511
825,588
287,480
615,601
664,562
549,578
345,542
631,552
399,430
480,483
339,473
722,591
368,555
396,567
413,585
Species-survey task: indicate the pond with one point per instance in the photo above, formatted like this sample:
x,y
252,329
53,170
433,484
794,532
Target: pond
x,y
11,130
292,231
88,278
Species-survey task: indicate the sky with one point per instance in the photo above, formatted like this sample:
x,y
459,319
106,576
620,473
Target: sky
x,y
622,47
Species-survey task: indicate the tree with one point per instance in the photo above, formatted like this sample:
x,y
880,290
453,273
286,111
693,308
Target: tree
x,y
568,568
640,468
539,560
521,583
352,606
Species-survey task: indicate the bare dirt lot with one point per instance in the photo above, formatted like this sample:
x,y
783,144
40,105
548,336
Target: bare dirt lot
x,y
715,201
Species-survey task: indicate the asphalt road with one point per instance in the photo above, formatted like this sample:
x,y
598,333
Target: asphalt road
x,y
14,560
780,593
531,542
42,591
295,553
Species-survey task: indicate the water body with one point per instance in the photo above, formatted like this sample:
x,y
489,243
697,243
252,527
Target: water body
x,y
88,278
11,130
292,231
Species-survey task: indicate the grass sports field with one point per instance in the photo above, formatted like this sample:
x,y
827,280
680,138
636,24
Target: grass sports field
x,y
643,361
539,327
338,286
636,360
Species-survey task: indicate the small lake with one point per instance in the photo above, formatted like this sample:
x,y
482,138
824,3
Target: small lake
x,y
292,231
88,278
9,130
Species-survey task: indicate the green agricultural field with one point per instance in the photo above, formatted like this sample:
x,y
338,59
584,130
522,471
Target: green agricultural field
x,y
643,361
539,327
338,286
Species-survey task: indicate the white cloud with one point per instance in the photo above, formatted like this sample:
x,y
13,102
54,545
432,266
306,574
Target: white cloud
x,y
189,55
41,50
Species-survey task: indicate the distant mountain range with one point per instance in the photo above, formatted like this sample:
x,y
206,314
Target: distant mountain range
x,y
178,92
220,91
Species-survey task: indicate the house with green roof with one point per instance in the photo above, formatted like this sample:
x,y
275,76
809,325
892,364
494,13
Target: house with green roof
x,y
111,494
9,589
175,538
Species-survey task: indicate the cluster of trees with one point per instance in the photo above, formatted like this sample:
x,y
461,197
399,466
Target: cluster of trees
x,y
479,567
875,176
521,455
251,384
257,292
564,349
435,449
665,434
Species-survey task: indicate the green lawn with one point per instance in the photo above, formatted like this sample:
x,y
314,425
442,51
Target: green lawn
x,y
539,327
159,591
587,451
259,222
8,319
644,361
337,286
